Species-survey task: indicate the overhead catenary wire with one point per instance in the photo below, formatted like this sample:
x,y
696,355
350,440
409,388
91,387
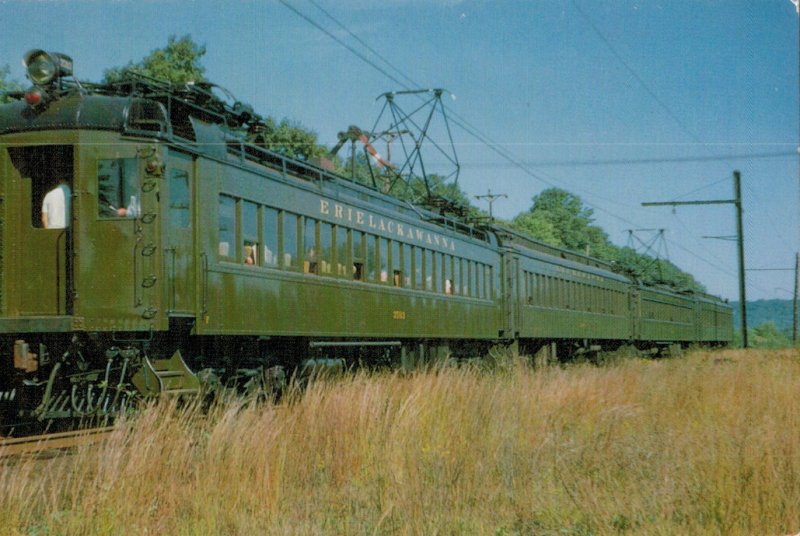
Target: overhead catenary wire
x,y
464,125
483,138
664,106
643,161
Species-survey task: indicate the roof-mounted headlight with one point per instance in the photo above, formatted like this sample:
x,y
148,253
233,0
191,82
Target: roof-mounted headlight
x,y
44,67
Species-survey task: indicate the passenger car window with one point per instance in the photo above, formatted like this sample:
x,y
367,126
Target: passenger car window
x,y
358,255
270,233
250,245
227,226
289,225
341,251
397,273
325,247
310,247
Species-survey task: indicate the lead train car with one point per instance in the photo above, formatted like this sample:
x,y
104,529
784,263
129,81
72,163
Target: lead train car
x,y
189,248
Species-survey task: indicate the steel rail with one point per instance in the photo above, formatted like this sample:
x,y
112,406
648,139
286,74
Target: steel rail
x,y
60,440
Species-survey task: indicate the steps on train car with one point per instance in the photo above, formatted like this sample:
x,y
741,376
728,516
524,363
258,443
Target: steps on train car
x,y
170,377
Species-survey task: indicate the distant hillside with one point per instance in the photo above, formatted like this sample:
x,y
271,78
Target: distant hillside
x,y
763,311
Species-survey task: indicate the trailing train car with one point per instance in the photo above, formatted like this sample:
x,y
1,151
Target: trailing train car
x,y
561,295
147,235
713,320
565,302
308,256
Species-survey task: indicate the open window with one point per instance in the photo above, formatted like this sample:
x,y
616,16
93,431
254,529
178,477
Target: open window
x,y
270,234
50,171
250,245
227,227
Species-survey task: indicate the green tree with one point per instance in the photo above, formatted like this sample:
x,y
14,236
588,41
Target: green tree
x,y
178,62
536,225
291,139
560,218
7,85
654,271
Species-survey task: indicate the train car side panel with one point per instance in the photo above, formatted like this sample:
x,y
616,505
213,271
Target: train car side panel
x,y
288,254
666,316
569,301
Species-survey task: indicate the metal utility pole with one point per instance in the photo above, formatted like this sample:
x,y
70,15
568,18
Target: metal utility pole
x,y
737,187
737,202
491,198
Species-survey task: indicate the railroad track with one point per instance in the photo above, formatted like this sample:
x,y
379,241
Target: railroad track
x,y
59,440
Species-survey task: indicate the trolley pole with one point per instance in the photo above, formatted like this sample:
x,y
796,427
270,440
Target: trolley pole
x,y
737,202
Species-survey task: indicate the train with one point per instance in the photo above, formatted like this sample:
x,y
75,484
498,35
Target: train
x,y
186,253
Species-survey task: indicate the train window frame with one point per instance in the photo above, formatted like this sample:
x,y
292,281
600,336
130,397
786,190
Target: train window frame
x,y
249,225
395,262
180,199
470,267
470,272
446,273
127,184
464,271
270,237
418,277
226,249
455,280
526,288
490,288
430,271
341,251
383,260
545,290
310,241
371,256
325,245
289,235
549,291
480,275
358,244
408,265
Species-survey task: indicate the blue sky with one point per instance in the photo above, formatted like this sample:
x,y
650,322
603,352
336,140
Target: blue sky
x,y
560,85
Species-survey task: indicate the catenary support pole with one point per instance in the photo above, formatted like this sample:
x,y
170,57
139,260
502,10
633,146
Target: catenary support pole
x,y
737,202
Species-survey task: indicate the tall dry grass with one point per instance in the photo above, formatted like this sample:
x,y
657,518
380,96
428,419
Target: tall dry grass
x,y
706,444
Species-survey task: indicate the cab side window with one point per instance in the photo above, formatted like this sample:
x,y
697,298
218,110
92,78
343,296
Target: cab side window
x,y
118,190
179,198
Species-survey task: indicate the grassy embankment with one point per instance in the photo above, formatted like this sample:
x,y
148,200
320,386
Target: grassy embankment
x,y
709,443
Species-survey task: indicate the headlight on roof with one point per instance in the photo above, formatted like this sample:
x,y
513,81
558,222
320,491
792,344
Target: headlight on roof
x,y
43,67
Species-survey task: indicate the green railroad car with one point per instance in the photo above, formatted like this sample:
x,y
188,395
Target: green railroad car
x,y
182,249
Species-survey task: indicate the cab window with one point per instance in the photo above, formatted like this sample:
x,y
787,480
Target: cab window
x,y
118,191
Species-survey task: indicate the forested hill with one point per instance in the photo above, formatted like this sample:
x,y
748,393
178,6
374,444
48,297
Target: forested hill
x,y
762,311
